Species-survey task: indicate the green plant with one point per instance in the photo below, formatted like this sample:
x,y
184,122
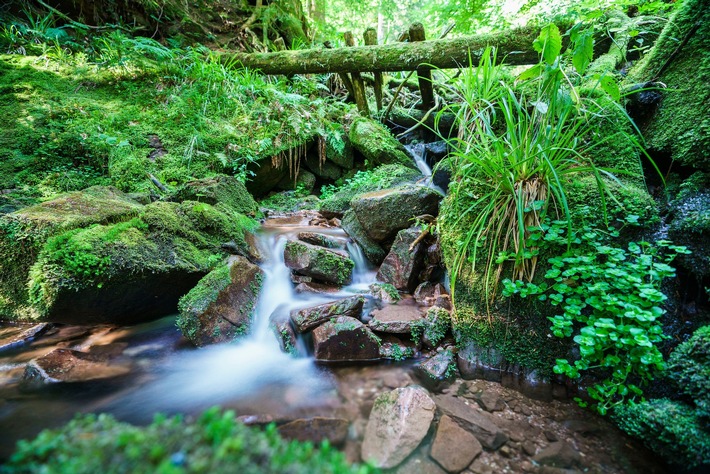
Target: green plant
x,y
516,152
689,366
611,302
215,442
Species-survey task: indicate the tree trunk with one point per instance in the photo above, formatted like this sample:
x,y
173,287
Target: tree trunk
x,y
513,45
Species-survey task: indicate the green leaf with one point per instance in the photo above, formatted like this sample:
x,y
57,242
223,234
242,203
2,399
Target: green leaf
x,y
609,85
549,43
583,52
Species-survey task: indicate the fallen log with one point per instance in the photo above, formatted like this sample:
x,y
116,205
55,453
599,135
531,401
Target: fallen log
x,y
514,47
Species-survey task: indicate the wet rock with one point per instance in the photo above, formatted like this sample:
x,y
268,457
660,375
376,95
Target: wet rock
x,y
481,424
320,288
377,144
398,422
441,176
280,324
321,240
436,326
316,429
384,213
475,361
341,156
438,371
68,366
394,348
454,448
308,318
318,262
384,292
298,279
220,308
396,319
426,293
17,336
443,301
345,339
372,250
558,454
583,427
529,448
489,401
305,179
402,264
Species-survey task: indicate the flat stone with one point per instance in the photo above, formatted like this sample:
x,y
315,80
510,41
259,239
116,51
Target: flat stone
x,y
320,288
396,319
69,366
345,339
316,430
490,401
398,423
402,264
321,240
559,454
308,318
454,448
481,424
21,334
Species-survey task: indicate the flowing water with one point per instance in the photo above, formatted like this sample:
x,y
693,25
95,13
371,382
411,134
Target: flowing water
x,y
167,375
418,152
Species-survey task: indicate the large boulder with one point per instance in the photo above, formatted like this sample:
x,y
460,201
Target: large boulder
x,y
323,169
308,318
304,180
24,233
220,308
377,144
345,339
318,262
372,250
404,260
384,213
265,175
398,423
136,270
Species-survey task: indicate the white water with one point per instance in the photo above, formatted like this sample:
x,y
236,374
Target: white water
x,y
418,152
255,367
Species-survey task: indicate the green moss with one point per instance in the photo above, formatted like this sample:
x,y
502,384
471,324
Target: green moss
x,y
333,264
670,429
681,124
215,442
205,292
689,367
377,144
226,190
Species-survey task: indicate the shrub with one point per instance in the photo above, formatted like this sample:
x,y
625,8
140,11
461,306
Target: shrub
x,y
215,443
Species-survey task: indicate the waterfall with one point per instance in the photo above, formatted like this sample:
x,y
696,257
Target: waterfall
x,y
418,153
363,272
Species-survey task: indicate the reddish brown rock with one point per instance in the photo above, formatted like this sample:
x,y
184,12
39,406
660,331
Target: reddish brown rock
x,y
345,339
396,319
454,448
67,365
470,417
401,265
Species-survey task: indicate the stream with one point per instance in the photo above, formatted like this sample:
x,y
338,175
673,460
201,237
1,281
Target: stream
x,y
263,384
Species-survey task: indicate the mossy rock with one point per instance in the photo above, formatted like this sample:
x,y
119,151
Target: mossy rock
x,y
132,271
382,177
377,144
220,308
689,367
373,251
23,234
318,262
305,180
226,190
690,226
681,123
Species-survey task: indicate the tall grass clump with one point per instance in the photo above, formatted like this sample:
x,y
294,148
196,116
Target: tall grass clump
x,y
519,146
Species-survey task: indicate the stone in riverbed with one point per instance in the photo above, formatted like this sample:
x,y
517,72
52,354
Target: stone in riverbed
x,y
220,308
385,292
318,262
372,250
438,371
396,349
67,365
280,324
558,454
398,422
321,240
401,265
398,318
454,448
308,318
470,417
17,336
345,339
316,430
384,213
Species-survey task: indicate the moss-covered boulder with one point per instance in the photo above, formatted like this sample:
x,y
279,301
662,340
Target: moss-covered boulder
x,y
309,318
377,144
24,233
220,308
384,213
265,174
323,169
345,339
373,251
318,262
305,180
690,226
134,270
689,367
227,190
680,59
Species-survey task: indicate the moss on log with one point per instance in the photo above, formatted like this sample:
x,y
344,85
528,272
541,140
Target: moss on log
x,y
514,46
